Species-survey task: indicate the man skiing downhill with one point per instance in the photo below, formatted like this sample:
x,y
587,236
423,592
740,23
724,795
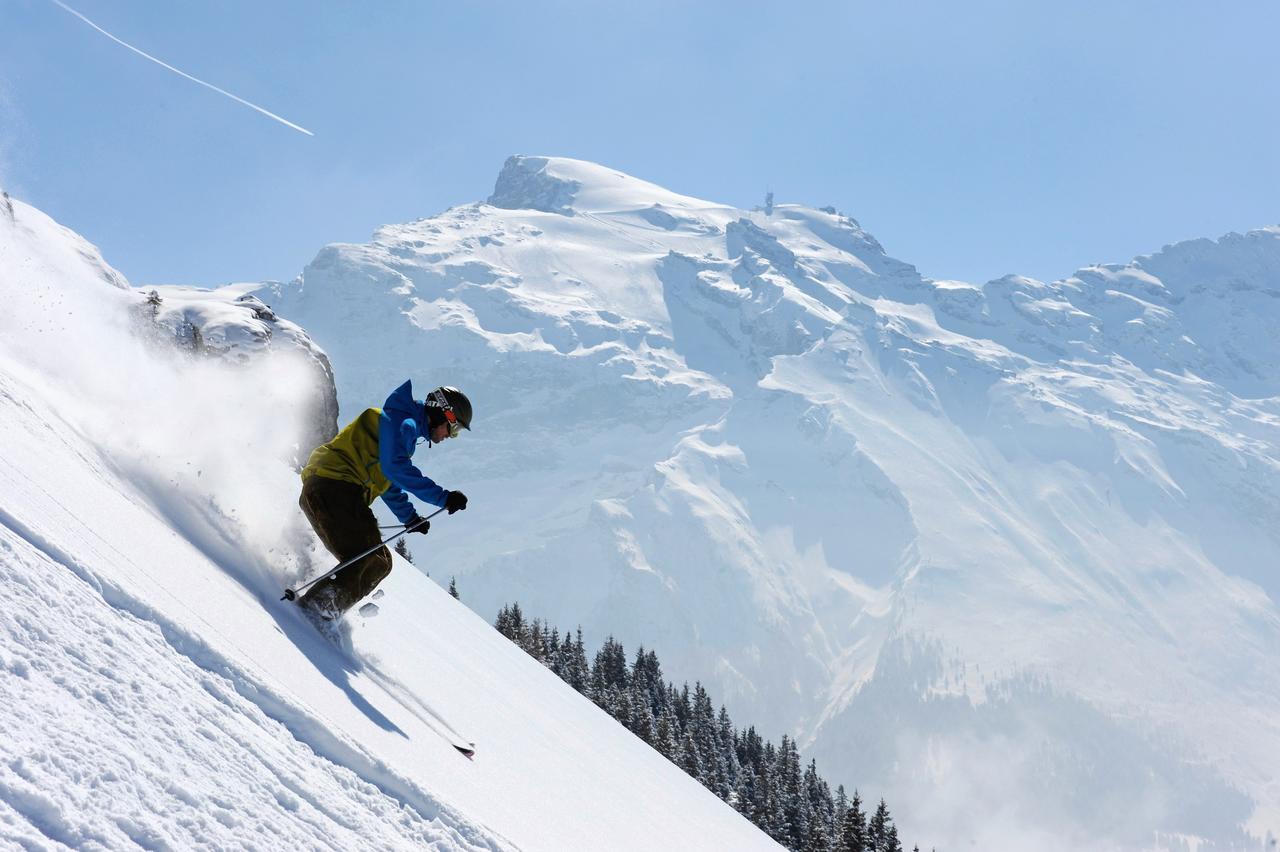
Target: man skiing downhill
x,y
372,457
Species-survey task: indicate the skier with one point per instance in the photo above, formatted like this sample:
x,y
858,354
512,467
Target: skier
x,y
371,458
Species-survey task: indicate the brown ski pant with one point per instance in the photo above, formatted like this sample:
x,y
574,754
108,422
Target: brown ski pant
x,y
346,525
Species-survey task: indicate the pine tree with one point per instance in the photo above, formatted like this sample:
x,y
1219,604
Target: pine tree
x,y
878,828
684,707
791,790
608,671
776,824
147,314
819,837
555,654
821,809
730,768
891,841
503,622
641,721
854,836
840,810
578,669
687,757
702,727
743,798
402,548
529,637
152,302
544,644
646,678
666,736
620,706
750,749
453,582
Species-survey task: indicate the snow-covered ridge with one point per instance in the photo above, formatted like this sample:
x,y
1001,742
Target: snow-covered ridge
x,y
233,324
991,515
158,693
567,187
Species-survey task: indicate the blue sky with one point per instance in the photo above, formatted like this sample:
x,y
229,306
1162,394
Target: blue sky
x,y
973,139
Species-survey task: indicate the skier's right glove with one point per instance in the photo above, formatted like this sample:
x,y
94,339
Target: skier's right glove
x,y
455,502
419,525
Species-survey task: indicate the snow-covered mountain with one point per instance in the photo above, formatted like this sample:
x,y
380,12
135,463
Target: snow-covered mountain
x,y
1003,553
156,692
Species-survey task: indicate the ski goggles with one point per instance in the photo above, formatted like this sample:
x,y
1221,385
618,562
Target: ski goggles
x,y
438,400
451,419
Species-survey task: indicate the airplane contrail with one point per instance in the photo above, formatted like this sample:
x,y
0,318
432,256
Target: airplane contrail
x,y
180,73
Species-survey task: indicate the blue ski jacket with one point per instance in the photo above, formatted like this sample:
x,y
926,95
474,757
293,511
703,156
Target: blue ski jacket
x,y
375,451
402,423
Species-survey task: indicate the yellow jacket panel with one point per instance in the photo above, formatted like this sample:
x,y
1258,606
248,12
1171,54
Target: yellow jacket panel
x,y
352,456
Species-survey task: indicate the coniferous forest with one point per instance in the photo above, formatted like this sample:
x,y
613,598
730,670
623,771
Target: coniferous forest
x,y
767,784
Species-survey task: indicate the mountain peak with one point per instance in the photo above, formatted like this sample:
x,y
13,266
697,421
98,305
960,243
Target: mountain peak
x,y
567,186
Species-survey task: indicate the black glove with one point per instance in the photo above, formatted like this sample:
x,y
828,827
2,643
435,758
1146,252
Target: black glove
x,y
455,502
418,525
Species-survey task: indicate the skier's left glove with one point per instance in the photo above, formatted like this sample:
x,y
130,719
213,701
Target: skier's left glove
x,y
455,502
419,525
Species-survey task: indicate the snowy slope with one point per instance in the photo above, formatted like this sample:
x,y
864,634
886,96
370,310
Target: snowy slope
x,y
1003,552
158,694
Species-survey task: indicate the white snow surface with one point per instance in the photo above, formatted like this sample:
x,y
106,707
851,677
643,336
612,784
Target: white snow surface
x,y
1005,554
156,692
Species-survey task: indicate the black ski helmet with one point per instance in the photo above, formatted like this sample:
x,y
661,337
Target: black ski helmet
x,y
445,398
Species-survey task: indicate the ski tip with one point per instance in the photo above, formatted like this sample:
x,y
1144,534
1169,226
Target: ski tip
x,y
468,753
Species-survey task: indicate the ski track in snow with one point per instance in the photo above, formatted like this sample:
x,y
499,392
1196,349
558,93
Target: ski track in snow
x,y
111,732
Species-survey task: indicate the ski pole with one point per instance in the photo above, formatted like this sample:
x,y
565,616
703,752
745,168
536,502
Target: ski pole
x,y
290,594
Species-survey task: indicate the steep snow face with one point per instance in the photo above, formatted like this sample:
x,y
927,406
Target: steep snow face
x,y
156,691
1002,552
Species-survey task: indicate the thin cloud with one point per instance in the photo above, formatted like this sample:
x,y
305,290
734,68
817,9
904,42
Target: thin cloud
x,y
180,73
